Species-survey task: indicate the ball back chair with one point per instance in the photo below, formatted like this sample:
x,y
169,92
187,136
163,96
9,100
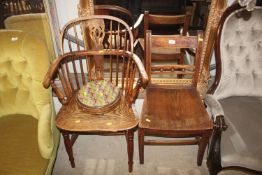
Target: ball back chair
x,y
97,84
29,138
162,22
36,24
234,100
174,108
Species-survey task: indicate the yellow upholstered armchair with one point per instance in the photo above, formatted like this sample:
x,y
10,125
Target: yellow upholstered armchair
x,y
36,24
28,136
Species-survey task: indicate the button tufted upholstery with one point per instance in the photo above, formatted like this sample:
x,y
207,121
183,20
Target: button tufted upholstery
x,y
241,53
36,24
236,103
23,63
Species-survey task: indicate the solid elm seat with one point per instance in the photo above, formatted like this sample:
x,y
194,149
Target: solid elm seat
x,y
72,118
183,112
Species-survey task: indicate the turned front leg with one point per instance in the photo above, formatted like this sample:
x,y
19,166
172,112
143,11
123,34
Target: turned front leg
x,y
69,150
130,148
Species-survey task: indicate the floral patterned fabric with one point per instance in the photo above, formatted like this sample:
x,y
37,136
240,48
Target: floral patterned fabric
x,y
98,93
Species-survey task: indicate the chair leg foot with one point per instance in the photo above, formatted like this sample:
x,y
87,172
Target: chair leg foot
x,y
141,145
202,147
69,150
130,148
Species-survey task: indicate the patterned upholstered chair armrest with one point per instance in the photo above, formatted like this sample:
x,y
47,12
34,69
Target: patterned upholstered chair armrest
x,y
213,106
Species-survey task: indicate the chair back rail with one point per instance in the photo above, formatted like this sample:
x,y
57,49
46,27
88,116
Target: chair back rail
x,y
183,20
174,41
95,32
151,20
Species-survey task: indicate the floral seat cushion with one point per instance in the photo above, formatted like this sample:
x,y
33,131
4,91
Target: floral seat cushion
x,y
98,93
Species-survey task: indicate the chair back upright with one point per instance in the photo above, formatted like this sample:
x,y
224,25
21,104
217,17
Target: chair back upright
x,y
168,72
161,24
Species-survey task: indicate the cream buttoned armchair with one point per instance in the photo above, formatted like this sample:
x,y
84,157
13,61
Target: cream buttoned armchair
x,y
28,136
235,99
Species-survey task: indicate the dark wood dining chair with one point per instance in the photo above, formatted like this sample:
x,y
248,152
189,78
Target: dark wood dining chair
x,y
161,23
173,107
96,84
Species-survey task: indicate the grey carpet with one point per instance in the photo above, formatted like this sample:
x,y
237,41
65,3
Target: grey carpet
x,y
107,155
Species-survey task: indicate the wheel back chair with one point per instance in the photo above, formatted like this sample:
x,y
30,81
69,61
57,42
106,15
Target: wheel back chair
x,y
234,99
98,83
161,23
29,138
173,108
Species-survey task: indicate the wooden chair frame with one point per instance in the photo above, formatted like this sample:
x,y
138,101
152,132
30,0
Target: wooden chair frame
x,y
116,64
201,132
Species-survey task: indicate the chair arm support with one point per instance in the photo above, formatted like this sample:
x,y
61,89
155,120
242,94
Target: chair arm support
x,y
135,28
51,72
45,133
216,111
213,106
142,72
138,22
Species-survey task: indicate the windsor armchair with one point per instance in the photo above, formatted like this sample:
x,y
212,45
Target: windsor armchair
x,y
98,83
174,109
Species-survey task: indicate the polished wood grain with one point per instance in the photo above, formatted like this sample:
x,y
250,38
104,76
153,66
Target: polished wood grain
x,y
108,56
183,111
174,110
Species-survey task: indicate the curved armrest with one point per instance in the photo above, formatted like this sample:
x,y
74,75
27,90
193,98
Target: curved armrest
x,y
216,111
45,133
135,28
138,22
142,71
213,106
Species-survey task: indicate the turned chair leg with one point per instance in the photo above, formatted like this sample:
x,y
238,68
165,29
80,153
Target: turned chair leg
x,y
141,145
130,148
202,147
69,150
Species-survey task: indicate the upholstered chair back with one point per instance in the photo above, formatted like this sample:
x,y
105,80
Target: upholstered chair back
x,y
23,63
241,54
35,24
